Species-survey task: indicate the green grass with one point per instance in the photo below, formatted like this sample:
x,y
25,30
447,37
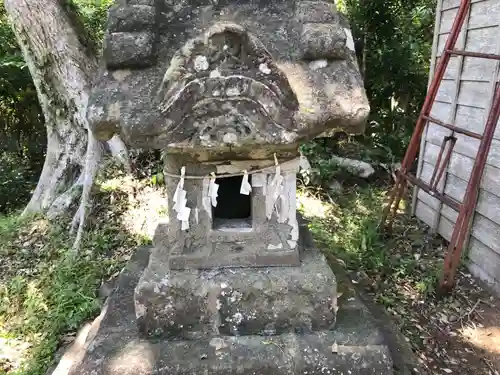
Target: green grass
x,y
348,231
44,294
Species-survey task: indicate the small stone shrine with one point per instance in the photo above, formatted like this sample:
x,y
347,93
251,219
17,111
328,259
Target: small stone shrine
x,y
228,90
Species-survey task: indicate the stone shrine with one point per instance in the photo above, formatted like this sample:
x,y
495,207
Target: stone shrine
x,y
229,89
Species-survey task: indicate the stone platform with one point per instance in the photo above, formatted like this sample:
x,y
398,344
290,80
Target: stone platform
x,y
353,346
195,304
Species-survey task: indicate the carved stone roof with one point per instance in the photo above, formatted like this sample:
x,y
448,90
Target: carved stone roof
x,y
212,74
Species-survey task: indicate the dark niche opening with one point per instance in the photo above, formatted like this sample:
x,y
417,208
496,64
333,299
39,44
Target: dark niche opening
x,y
234,210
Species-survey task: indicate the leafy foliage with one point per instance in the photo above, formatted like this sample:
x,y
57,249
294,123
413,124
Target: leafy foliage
x,y
93,16
22,134
394,40
17,180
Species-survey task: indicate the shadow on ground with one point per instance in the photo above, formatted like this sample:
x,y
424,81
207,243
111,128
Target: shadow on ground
x,y
395,275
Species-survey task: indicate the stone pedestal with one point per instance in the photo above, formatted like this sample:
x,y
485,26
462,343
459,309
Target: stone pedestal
x,y
197,304
263,320
223,88
235,272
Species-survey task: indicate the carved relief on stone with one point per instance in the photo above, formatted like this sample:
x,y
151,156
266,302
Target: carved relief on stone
x,y
204,74
224,87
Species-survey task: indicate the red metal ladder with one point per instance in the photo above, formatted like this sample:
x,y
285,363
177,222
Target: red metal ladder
x,y
465,208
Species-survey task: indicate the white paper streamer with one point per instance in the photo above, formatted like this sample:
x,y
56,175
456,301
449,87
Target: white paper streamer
x,y
245,188
180,186
183,216
180,202
212,190
205,199
275,190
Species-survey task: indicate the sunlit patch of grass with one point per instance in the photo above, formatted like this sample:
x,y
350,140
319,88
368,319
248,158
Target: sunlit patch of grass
x,y
45,295
143,204
312,206
345,226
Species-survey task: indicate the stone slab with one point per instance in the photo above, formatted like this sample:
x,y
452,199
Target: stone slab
x,y
236,301
250,355
117,348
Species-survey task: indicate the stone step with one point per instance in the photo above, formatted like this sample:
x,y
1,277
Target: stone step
x,y
286,354
355,347
192,304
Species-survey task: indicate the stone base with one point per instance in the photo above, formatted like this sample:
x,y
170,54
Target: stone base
x,y
354,346
193,304
289,354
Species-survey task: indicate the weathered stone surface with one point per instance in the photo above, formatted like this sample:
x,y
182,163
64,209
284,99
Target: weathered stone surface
x,y
267,238
128,49
142,2
228,74
132,18
116,348
246,301
323,39
315,11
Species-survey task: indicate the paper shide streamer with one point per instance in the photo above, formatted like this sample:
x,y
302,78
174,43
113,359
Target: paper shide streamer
x,y
274,190
180,202
245,188
213,188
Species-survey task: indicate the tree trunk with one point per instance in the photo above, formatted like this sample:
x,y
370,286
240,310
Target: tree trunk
x,y
62,62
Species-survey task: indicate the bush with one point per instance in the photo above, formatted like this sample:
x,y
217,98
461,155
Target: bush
x,y
17,180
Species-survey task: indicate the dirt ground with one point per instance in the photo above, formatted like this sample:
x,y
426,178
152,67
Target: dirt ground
x,y
466,333
455,334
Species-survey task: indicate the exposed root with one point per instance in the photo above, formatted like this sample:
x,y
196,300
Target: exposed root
x,y
63,203
63,163
119,151
93,157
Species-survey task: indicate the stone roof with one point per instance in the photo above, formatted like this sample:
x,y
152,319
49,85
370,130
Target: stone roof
x,y
212,74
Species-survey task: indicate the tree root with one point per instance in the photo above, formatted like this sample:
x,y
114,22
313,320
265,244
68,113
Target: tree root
x,y
119,152
63,203
92,159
